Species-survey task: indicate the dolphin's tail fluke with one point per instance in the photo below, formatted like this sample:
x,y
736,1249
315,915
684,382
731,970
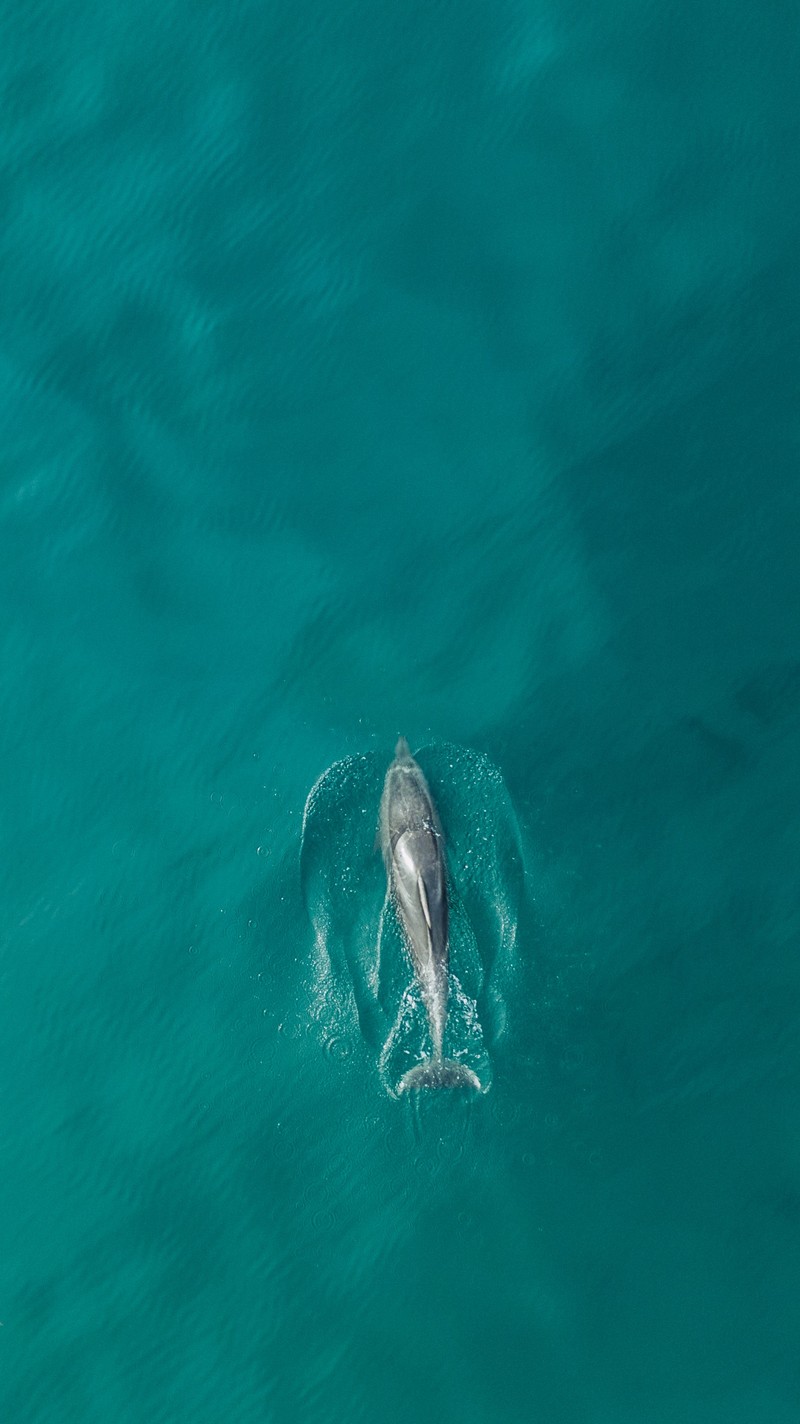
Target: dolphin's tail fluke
x,y
439,1073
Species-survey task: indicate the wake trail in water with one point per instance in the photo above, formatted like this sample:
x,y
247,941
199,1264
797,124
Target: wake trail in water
x,y
361,977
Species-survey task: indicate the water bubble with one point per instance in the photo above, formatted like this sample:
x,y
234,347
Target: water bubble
x,y
338,1048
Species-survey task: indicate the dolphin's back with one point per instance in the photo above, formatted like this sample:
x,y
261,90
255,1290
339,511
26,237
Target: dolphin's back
x,y
412,848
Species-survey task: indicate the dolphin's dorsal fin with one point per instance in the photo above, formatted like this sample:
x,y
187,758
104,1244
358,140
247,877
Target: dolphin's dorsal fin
x,y
423,899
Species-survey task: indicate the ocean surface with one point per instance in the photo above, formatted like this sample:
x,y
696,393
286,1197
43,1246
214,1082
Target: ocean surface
x,y
366,370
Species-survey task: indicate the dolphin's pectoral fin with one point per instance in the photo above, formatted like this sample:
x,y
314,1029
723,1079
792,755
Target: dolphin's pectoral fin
x,y
423,898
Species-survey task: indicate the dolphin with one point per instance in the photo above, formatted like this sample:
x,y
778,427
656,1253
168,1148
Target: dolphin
x,y
413,851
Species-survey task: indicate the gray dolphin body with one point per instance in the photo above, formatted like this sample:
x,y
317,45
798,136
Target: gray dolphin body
x,y
413,851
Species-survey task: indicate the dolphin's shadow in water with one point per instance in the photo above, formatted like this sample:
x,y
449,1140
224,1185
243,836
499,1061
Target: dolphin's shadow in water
x,y
361,966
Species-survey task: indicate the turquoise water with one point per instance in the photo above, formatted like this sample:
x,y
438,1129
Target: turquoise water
x,y
422,369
